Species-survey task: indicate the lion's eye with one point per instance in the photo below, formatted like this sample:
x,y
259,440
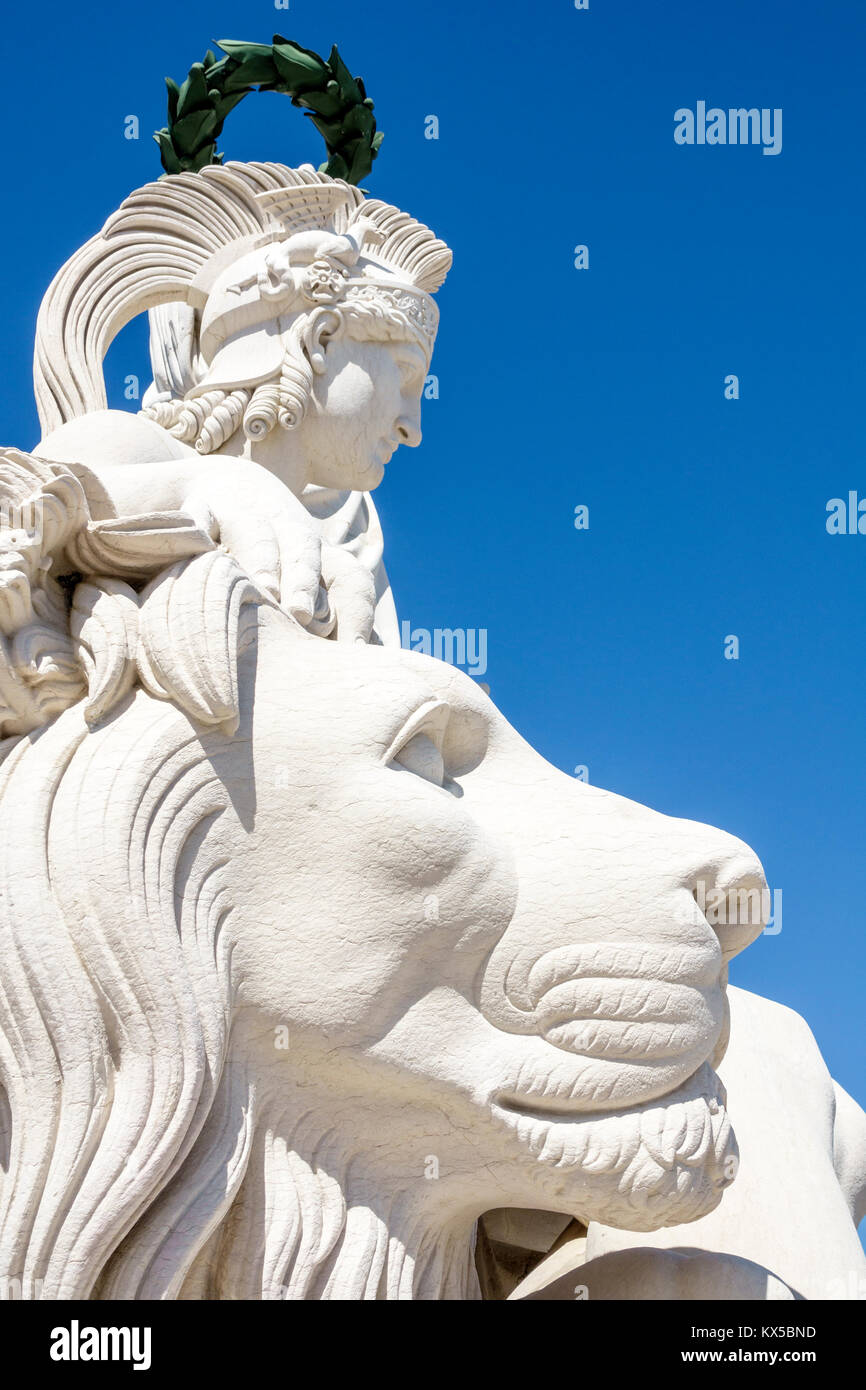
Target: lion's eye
x,y
418,746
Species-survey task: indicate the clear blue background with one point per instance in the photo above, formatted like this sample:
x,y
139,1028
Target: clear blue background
x,y
560,387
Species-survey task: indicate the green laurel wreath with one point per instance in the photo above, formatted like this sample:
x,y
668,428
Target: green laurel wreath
x,y
336,103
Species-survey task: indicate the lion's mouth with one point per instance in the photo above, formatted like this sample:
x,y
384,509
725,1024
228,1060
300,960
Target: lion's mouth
x,y
639,1167
687,1126
613,1002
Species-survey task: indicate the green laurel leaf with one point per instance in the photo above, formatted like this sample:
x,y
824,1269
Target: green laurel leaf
x,y
336,167
336,102
252,71
173,95
170,161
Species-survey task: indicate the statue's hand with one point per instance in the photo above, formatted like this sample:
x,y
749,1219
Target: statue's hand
x,y
350,595
270,533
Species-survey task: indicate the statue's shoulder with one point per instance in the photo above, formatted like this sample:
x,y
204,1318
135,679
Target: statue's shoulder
x,y
105,437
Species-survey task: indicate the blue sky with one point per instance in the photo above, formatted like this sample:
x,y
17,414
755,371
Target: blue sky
x,y
560,387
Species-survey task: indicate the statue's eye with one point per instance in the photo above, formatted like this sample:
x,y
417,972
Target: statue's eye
x,y
419,745
412,374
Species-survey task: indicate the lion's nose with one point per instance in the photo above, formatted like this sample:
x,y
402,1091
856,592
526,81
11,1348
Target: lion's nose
x,y
627,954
727,882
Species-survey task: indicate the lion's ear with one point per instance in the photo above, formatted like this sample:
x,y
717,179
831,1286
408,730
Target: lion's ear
x,y
192,625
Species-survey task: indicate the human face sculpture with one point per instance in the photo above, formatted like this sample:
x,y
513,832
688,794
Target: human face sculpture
x,y
477,958
366,402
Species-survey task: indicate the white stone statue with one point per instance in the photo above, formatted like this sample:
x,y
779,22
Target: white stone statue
x,y
308,962
787,1228
295,347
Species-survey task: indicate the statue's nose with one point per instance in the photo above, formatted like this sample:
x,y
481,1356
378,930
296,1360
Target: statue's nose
x,y
409,431
727,881
624,928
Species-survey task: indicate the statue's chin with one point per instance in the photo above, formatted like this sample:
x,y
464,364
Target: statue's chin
x,y
356,475
664,1162
371,476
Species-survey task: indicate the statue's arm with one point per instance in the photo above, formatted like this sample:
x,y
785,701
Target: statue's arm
x,y
256,518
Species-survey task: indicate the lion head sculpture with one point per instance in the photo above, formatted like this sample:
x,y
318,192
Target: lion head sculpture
x,y
309,960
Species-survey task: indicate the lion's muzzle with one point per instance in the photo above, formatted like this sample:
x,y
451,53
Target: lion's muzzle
x,y
611,1000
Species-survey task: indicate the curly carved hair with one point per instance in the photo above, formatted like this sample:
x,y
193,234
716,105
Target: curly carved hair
x,y
210,419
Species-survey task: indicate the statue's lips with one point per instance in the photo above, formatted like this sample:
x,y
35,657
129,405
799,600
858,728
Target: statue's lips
x,y
649,1163
694,966
701,1093
385,450
619,1002
628,1018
